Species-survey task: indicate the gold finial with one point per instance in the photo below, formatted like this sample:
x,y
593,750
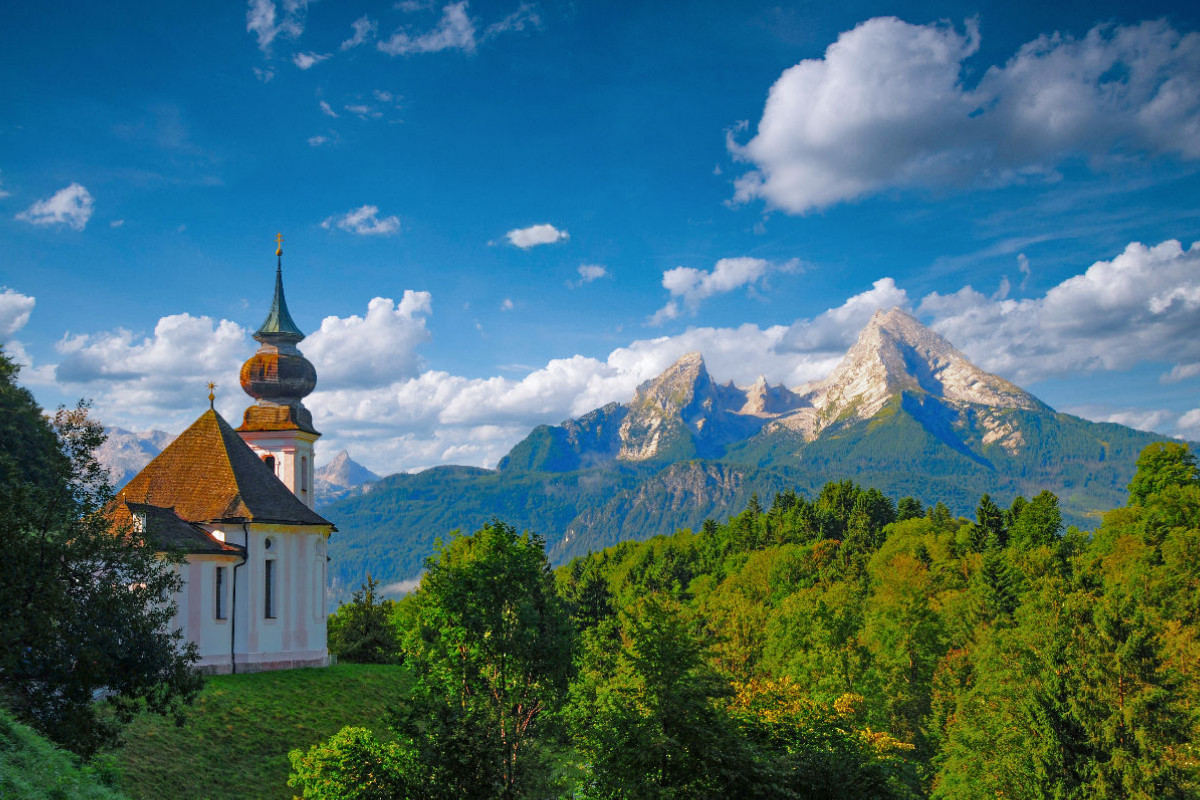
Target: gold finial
x,y
211,394
279,244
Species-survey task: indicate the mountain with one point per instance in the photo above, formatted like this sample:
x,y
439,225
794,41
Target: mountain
x,y
124,453
903,411
341,477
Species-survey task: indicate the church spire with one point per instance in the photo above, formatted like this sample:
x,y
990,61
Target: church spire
x,y
278,375
279,325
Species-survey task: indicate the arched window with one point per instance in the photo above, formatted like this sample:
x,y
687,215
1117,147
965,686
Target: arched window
x,y
303,473
270,462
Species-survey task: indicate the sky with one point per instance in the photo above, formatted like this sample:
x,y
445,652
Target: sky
x,y
502,214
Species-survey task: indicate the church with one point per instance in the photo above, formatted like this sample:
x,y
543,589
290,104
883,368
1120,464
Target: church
x,y
238,503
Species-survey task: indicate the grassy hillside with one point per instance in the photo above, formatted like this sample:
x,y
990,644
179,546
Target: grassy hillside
x,y
32,768
237,736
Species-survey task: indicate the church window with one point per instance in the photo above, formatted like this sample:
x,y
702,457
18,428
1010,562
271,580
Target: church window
x,y
270,462
269,581
219,597
303,473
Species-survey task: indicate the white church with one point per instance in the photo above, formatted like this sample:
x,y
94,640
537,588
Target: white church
x,y
239,504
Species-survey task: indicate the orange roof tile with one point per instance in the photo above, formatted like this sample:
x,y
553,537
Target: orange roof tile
x,y
208,474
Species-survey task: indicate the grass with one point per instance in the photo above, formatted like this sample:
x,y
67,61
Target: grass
x,y
235,741
32,768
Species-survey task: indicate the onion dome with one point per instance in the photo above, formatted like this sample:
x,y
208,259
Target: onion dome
x,y
278,375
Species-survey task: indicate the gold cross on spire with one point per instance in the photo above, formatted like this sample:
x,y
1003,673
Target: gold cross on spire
x,y
211,393
279,244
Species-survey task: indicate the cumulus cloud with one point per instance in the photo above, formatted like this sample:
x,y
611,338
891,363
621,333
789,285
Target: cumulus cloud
x,y
157,377
587,274
370,351
1139,307
364,28
534,235
267,24
310,59
691,286
15,309
454,31
327,109
365,221
71,206
888,107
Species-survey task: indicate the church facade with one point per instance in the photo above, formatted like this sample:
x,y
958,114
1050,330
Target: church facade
x,y
238,503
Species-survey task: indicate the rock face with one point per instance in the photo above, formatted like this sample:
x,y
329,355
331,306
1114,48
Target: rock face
x,y
895,354
340,478
124,453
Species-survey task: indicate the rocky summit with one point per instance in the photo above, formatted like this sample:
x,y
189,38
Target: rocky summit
x,y
904,411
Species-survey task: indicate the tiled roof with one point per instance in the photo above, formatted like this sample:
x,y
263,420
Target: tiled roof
x,y
208,474
169,532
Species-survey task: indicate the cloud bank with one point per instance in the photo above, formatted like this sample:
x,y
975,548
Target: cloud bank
x,y
888,107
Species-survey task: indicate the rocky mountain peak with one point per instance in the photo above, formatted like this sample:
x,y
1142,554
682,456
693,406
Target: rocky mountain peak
x,y
345,472
896,353
678,387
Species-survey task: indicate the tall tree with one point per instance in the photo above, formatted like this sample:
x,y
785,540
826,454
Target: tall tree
x,y
362,631
87,605
1160,465
490,655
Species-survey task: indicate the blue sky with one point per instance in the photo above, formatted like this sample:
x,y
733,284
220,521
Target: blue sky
x,y
501,214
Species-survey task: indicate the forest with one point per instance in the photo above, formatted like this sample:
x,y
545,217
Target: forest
x,y
844,645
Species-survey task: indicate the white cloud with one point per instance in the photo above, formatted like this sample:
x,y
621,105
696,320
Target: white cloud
x,y
692,286
263,20
525,16
327,110
375,350
587,274
317,141
15,309
161,376
3,192
507,304
363,111
534,235
1139,307
263,74
887,107
364,28
116,223
310,59
454,31
1142,419
72,206
364,221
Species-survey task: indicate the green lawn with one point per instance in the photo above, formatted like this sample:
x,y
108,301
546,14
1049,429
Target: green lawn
x,y
237,736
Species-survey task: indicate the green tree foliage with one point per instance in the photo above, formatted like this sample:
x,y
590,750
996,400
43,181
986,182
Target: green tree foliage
x,y
362,632
490,652
354,765
1160,465
87,606
1039,522
834,646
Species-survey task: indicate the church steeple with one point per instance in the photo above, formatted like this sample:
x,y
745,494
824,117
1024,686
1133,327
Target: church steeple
x,y
279,324
279,377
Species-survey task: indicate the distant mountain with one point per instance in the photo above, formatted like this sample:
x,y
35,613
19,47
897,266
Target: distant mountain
x,y
124,453
341,478
903,411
